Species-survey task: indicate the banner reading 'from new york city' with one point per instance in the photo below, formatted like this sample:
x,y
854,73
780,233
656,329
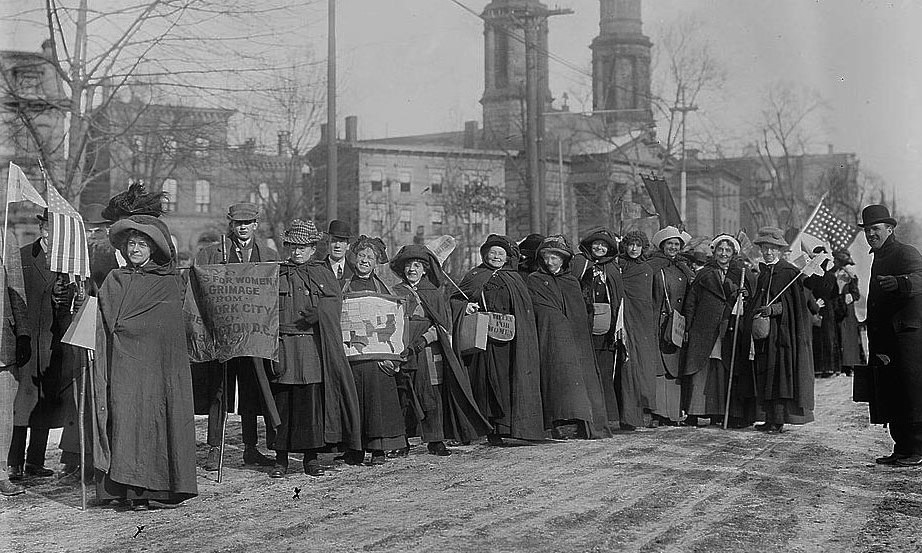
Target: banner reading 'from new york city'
x,y
232,311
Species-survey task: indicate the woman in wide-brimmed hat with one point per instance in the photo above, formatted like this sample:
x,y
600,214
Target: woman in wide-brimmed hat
x,y
596,267
784,354
639,363
383,426
671,277
435,388
505,377
313,387
709,321
148,447
571,383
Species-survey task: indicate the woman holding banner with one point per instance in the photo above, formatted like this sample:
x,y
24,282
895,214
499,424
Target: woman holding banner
x,y
143,386
571,385
505,377
436,389
375,380
313,386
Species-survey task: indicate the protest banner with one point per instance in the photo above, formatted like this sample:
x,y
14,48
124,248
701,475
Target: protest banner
x,y
374,326
232,311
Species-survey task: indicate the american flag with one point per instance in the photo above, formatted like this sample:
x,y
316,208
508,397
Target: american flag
x,y
68,237
826,227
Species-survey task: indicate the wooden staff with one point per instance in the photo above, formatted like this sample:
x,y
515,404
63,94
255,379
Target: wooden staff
x,y
736,332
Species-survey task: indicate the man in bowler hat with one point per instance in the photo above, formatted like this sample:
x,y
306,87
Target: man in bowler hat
x,y
895,336
337,259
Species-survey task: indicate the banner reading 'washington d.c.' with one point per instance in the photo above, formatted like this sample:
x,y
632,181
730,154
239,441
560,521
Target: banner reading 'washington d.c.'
x,y
232,311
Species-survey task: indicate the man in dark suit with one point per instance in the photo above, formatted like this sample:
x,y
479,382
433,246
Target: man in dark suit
x,y
44,383
895,336
239,245
337,260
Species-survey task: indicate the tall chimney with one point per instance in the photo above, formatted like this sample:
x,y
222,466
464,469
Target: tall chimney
x,y
470,134
352,129
284,143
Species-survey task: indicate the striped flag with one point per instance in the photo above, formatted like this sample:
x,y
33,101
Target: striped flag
x,y
68,238
18,187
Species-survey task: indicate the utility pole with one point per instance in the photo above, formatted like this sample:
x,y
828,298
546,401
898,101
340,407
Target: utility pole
x,y
683,190
532,19
332,176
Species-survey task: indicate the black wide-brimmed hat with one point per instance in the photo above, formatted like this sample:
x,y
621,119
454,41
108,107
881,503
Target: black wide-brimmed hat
x,y
149,226
873,214
504,242
418,251
599,233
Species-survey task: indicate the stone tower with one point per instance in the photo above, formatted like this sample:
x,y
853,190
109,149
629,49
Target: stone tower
x,y
504,69
621,67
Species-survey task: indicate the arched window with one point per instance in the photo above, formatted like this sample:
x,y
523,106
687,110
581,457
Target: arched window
x,y
171,189
202,196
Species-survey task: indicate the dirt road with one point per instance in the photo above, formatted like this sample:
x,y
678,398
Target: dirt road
x,y
812,488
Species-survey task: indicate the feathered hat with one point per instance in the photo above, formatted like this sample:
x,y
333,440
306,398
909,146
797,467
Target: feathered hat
x,y
134,201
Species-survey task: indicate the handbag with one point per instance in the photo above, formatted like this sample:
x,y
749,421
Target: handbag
x,y
674,326
601,314
761,326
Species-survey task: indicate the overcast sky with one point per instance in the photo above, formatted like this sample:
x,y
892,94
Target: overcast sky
x,y
415,66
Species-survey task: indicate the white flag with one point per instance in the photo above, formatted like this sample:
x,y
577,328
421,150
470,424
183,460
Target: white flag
x,y
18,188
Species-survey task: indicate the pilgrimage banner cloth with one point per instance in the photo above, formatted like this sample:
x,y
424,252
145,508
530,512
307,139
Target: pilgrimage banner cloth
x,y
231,310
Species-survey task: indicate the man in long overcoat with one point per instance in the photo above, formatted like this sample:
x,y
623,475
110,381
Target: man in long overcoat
x,y
895,336
44,399
239,246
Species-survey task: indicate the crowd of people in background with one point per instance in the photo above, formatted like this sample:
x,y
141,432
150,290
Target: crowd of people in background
x,y
619,334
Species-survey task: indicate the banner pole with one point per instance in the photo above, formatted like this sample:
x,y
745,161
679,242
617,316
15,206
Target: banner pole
x,y
223,420
81,414
736,332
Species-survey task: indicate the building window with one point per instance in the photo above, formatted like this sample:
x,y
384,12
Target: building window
x,y
477,223
202,196
377,219
201,147
171,189
405,181
377,181
437,214
435,183
406,220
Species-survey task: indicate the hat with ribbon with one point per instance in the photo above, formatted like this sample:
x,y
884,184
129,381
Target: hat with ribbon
x,y
726,238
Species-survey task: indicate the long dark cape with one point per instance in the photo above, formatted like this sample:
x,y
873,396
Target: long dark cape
x,y
342,420
144,431
526,420
784,360
571,385
462,418
641,337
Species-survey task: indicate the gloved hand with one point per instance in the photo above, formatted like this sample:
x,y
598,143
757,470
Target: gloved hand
x,y
415,347
62,292
23,350
310,316
888,283
849,299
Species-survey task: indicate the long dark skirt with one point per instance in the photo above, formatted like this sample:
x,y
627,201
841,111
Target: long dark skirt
x,y
606,360
422,406
106,489
300,408
382,417
491,381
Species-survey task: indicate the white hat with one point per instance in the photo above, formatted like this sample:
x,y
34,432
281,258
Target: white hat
x,y
726,237
666,233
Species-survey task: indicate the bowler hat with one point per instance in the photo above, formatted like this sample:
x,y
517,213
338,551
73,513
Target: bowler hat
x,y
243,211
339,229
772,236
301,233
873,214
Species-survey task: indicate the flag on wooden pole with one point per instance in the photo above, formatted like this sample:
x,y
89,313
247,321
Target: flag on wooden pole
x,y
18,188
69,253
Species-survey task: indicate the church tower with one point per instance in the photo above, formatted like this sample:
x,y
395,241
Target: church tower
x,y
504,69
621,67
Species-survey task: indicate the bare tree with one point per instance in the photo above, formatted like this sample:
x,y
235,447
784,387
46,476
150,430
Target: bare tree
x,y
201,49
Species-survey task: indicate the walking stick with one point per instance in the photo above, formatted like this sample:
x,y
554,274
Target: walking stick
x,y
223,420
736,331
81,414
